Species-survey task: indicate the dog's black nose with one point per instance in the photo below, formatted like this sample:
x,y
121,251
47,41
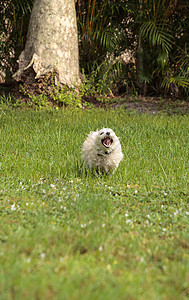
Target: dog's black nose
x,y
108,133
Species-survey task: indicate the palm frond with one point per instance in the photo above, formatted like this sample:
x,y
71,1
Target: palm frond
x,y
144,77
183,61
179,81
23,6
157,34
105,38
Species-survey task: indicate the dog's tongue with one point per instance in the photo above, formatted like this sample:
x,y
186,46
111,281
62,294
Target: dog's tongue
x,y
107,141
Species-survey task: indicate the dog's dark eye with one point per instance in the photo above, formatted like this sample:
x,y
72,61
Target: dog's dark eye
x,y
101,133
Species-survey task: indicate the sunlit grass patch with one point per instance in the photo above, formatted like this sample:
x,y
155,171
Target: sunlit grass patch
x,y
67,233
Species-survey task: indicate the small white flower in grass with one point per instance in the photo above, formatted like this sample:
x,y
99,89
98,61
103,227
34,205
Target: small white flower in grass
x,y
43,255
126,215
28,260
13,207
142,259
83,225
164,229
100,248
103,225
176,212
53,186
187,213
136,192
165,194
27,204
129,222
63,189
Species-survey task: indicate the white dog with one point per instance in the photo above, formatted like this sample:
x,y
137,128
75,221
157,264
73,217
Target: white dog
x,y
102,150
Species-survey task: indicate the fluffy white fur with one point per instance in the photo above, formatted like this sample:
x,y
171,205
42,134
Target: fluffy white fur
x,y
102,150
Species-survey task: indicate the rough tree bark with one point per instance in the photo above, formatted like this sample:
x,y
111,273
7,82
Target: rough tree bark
x,y
52,42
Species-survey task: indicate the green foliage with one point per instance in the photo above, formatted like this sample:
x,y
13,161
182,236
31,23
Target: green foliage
x,y
177,81
98,24
101,81
7,101
162,61
178,76
55,97
66,96
151,30
158,34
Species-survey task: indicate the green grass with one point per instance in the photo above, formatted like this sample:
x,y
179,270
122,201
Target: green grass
x,y
67,234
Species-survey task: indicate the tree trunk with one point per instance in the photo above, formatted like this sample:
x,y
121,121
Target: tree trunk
x,y
52,42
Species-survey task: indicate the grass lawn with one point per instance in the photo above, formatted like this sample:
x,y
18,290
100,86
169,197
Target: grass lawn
x,y
67,234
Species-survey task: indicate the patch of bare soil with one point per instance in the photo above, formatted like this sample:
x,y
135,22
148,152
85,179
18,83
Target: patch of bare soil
x,y
153,105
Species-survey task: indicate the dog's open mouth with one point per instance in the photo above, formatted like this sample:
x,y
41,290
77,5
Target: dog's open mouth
x,y
107,142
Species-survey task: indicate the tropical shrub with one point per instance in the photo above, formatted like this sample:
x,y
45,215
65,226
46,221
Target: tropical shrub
x,y
153,31
161,40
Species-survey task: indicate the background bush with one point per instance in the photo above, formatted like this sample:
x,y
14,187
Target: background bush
x,y
131,46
